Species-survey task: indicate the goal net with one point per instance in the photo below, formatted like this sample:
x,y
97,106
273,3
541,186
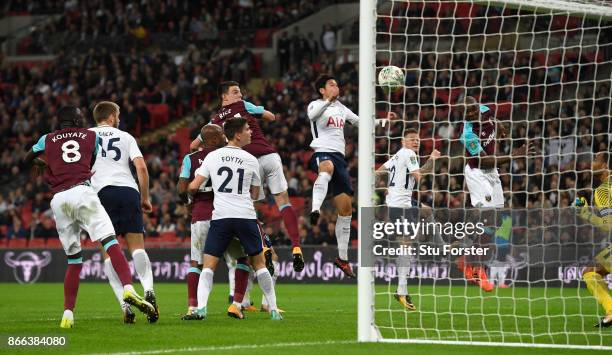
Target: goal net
x,y
540,73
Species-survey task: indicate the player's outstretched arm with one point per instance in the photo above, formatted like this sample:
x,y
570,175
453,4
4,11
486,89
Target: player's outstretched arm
x,y
268,116
195,144
429,164
490,162
143,182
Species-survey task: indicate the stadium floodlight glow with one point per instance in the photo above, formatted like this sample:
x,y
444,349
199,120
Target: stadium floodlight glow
x,y
533,62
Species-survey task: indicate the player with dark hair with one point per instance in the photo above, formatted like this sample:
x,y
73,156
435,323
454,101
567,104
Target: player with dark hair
x,y
70,154
234,175
327,118
600,217
479,136
232,105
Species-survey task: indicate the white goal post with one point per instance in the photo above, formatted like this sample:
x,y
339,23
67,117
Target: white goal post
x,y
585,36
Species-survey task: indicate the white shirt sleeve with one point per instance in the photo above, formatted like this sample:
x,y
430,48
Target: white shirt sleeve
x,y
350,115
256,179
134,150
389,162
316,109
203,169
411,160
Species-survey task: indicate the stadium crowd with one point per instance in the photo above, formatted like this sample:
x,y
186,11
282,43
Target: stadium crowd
x,y
532,100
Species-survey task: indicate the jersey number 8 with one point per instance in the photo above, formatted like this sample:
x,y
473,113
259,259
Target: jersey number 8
x,y
71,152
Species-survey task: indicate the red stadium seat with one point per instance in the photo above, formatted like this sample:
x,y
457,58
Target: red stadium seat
x,y
54,243
159,114
167,237
18,243
36,243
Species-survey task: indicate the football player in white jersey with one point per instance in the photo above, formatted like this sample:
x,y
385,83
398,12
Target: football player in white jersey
x,y
404,172
328,117
234,174
120,196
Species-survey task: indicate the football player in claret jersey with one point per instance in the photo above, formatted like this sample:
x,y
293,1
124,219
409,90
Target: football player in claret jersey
x,y
122,199
234,174
404,173
271,166
201,204
600,217
70,153
327,118
479,136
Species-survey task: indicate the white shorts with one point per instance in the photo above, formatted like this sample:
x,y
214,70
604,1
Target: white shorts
x,y
272,175
199,232
233,253
77,209
484,187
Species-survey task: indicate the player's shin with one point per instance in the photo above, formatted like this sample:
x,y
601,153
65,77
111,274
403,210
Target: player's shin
x,y
264,279
319,190
142,264
71,280
264,302
120,264
193,276
113,280
204,287
241,273
291,223
343,234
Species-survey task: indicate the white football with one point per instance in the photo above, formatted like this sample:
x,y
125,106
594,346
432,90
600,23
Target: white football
x,y
391,77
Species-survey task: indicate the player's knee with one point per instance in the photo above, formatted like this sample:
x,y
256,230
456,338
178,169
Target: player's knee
x,y
281,198
76,258
326,167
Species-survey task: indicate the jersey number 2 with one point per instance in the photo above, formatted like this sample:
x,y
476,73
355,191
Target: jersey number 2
x,y
228,178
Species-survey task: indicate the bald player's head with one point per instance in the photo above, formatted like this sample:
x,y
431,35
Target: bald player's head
x,y
213,136
471,108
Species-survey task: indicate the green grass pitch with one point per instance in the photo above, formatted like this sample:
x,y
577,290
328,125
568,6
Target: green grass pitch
x,y
319,319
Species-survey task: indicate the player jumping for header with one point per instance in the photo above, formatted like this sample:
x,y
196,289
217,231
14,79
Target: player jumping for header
x,y
270,162
480,135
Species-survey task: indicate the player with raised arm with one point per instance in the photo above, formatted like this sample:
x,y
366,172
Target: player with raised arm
x,y
479,136
600,217
122,199
327,118
234,174
232,105
70,153
404,173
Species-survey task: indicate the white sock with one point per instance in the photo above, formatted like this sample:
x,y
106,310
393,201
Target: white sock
x,y
231,274
402,283
343,234
204,287
113,280
501,275
264,302
267,287
246,300
129,287
142,264
319,190
68,314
